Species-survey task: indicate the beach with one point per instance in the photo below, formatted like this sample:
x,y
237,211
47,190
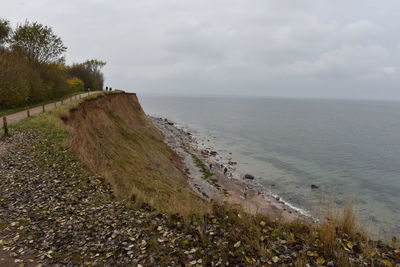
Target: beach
x,y
225,183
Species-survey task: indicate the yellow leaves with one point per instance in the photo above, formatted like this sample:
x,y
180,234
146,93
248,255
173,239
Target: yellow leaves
x,y
320,260
275,259
372,254
75,83
386,262
237,244
262,223
250,260
214,220
350,245
312,254
397,251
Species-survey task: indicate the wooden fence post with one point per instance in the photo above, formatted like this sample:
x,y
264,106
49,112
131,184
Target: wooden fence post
x,y
5,126
43,108
28,113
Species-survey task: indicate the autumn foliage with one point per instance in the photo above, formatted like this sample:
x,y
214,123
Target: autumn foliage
x,y
33,69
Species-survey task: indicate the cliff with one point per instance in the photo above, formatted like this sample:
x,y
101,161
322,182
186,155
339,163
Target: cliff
x,y
112,135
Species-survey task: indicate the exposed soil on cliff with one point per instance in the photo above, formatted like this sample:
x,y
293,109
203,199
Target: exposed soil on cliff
x,y
115,139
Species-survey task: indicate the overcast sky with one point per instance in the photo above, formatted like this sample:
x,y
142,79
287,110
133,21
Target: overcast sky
x,y
277,48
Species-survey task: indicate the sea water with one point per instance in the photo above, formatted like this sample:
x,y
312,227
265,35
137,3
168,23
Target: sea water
x,y
349,149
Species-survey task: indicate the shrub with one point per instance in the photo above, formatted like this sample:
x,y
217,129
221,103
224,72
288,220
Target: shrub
x,y
75,84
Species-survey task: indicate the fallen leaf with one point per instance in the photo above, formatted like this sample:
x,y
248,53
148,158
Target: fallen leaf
x,y
320,260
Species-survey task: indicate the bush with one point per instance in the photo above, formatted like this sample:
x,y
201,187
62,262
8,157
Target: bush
x,y
75,84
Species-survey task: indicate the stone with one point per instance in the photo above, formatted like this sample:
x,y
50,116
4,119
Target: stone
x,y
249,177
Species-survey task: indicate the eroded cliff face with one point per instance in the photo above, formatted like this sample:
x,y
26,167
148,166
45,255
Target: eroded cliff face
x,y
112,135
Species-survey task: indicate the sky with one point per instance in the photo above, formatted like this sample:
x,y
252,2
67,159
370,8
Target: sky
x,y
341,49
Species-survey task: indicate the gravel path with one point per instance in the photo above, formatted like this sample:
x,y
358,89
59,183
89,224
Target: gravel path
x,y
52,212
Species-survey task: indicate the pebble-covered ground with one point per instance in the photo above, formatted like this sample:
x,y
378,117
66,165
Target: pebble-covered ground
x,y
53,213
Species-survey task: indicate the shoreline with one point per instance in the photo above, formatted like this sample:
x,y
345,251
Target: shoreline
x,y
215,178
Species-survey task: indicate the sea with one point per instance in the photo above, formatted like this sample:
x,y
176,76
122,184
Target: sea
x,y
350,150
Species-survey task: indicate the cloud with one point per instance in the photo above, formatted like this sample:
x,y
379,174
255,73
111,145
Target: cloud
x,y
348,61
359,31
260,47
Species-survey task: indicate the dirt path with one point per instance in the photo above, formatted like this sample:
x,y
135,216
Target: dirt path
x,y
16,117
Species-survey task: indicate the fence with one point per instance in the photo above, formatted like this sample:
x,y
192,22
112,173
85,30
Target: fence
x,y
16,117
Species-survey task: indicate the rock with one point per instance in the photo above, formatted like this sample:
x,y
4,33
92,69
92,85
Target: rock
x,y
313,186
170,123
232,162
248,176
213,153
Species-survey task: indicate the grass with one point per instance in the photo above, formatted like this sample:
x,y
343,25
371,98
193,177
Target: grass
x,y
207,174
4,112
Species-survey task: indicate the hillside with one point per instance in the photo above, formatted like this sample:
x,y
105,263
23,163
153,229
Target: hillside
x,y
92,183
115,139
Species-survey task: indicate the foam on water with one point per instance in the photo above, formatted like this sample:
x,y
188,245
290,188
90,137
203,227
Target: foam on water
x,y
202,142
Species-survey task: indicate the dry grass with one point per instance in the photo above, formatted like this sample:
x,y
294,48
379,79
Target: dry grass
x,y
348,223
113,136
339,222
328,228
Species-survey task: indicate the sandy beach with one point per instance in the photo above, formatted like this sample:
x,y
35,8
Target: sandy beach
x,y
224,183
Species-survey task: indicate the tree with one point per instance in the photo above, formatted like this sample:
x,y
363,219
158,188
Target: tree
x,y
5,31
38,43
90,73
94,65
14,81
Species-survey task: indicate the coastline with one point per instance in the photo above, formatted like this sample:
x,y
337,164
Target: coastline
x,y
216,178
